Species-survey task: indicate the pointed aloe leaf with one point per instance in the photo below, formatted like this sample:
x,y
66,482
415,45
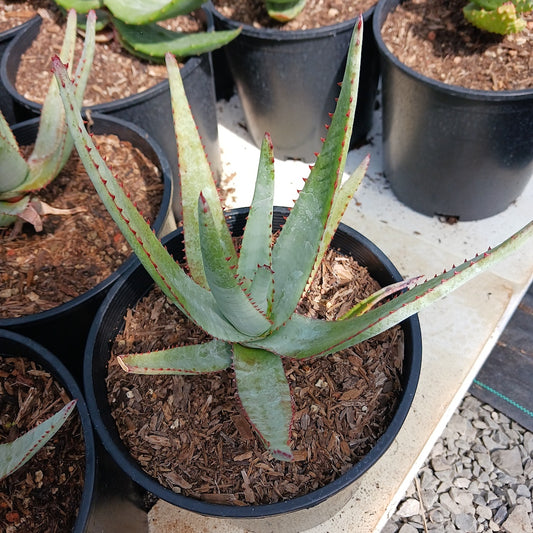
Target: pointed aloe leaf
x,y
303,337
13,166
145,11
211,356
265,397
53,144
15,454
284,10
154,41
304,229
220,268
255,254
502,20
195,176
194,301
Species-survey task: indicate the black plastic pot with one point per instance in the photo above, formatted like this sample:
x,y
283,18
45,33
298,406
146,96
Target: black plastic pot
x,y
151,109
6,103
448,150
15,345
63,329
109,321
288,81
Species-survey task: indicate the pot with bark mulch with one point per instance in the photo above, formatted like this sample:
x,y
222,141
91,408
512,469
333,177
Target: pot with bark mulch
x,y
457,109
185,440
52,282
54,490
287,74
120,85
14,18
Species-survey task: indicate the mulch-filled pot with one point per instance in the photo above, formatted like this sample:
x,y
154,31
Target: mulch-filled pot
x,y
54,491
54,281
450,150
150,109
287,81
226,431
14,18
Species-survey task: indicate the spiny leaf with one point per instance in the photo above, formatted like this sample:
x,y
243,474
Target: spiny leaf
x,y
194,301
195,177
17,453
302,337
211,356
305,227
265,396
146,11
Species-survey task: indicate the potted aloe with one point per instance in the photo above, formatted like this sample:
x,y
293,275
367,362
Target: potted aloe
x,y
286,68
246,303
456,140
47,454
141,43
49,286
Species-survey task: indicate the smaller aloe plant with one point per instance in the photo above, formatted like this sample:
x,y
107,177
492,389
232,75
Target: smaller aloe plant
x,y
53,145
498,16
18,452
284,10
246,301
136,27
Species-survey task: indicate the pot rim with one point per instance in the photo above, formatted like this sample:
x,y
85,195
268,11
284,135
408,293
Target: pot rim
x,y
51,363
383,8
128,464
273,34
158,223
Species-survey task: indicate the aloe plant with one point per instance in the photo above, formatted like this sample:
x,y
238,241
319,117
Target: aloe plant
x,y
246,301
498,16
20,177
284,10
18,452
138,32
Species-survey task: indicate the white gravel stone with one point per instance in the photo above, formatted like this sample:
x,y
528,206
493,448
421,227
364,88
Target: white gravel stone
x,y
410,507
509,461
466,522
518,521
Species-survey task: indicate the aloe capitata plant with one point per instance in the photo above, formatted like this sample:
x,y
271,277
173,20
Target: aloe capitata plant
x,y
135,25
246,301
20,177
284,10
15,454
498,16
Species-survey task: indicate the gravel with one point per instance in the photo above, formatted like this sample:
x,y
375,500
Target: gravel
x,y
477,478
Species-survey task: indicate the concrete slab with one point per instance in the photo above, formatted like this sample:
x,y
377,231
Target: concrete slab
x,y
458,332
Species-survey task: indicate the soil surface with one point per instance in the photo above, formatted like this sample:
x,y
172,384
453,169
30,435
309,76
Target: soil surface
x,y
14,12
433,38
115,73
316,13
44,494
73,253
190,434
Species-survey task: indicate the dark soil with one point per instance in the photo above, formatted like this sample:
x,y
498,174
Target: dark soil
x,y
114,74
73,253
189,433
316,13
43,496
433,38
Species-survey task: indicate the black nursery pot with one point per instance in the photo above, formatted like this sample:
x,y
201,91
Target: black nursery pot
x,y
15,345
63,329
288,81
448,150
6,102
151,109
109,321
